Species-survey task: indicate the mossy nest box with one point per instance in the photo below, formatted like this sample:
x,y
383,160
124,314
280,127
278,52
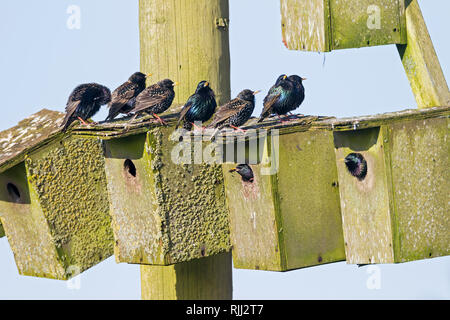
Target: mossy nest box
x,y
164,212
289,216
53,198
325,25
398,210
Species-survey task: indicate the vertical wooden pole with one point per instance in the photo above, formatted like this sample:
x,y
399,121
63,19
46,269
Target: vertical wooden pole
x,y
187,41
421,62
201,279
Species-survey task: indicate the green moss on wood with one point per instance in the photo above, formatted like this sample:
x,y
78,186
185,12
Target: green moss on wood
x,y
199,279
399,211
168,212
421,62
291,218
27,230
325,25
420,182
60,226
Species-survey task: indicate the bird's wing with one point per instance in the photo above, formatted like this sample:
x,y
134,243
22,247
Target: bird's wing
x,y
120,97
151,96
228,110
71,107
268,105
123,94
186,108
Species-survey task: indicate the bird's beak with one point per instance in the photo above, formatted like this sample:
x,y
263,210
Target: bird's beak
x,y
341,160
257,91
148,75
206,84
285,76
233,170
176,83
304,79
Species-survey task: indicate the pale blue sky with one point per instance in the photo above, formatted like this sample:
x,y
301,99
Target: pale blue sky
x,y
42,61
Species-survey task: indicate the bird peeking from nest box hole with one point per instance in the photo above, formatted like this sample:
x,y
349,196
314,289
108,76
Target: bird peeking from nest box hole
x,y
356,165
245,171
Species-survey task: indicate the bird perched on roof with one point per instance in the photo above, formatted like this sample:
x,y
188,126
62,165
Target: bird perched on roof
x,y
236,112
356,165
245,171
284,96
199,107
84,102
155,99
124,97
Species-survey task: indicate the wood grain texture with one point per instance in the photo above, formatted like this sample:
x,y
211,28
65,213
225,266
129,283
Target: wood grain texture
x,y
421,62
181,40
187,41
201,279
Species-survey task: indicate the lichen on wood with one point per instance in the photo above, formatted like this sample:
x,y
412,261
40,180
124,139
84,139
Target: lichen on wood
x,y
59,226
166,212
325,25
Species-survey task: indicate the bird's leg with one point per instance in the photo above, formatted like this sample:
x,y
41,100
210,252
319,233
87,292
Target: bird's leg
x,y
282,120
197,127
134,117
82,121
159,119
238,129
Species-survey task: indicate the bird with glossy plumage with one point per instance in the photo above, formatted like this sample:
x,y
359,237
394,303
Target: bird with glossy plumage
x,y
124,97
236,112
84,102
245,172
199,107
356,165
155,99
299,95
283,97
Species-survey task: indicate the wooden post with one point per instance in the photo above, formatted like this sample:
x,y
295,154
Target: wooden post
x,y
421,62
187,41
202,279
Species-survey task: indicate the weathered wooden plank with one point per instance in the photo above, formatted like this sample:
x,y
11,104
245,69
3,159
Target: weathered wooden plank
x,y
163,211
28,135
421,62
55,209
305,24
289,216
201,279
325,25
399,211
365,23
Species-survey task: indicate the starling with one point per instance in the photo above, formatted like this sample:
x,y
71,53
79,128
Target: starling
x,y
299,91
284,96
236,112
245,171
356,165
155,99
199,107
124,97
84,102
